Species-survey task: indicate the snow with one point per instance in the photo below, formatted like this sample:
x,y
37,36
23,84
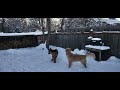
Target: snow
x,y
37,59
110,21
96,39
113,59
90,37
81,52
98,47
107,20
27,33
91,30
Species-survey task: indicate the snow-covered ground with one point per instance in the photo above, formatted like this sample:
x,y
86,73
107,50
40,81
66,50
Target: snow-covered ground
x,y
37,60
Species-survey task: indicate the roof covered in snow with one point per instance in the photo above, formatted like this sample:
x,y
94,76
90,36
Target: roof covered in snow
x,y
19,34
110,21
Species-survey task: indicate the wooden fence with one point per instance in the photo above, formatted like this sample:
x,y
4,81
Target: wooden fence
x,y
65,40
78,40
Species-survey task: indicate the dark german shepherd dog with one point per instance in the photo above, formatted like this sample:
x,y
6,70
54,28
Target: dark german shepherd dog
x,y
54,54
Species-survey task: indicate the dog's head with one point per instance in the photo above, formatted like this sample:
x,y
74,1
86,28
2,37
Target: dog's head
x,y
52,51
49,51
68,51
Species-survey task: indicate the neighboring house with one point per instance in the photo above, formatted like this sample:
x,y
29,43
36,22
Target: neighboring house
x,y
86,24
111,21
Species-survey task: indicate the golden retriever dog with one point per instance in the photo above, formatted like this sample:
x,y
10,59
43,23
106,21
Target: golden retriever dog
x,y
54,54
75,57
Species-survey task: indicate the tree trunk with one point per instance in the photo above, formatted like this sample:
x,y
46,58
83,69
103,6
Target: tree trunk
x,y
62,23
49,31
43,29
2,25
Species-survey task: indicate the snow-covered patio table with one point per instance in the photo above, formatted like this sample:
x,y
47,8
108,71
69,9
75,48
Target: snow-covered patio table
x,y
97,49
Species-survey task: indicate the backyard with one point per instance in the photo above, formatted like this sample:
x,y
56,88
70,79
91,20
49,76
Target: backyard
x,y
25,43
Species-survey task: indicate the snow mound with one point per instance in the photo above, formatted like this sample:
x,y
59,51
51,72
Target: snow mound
x,y
53,47
110,21
113,59
90,37
80,52
76,51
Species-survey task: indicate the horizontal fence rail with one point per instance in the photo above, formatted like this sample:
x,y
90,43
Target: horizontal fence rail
x,y
78,40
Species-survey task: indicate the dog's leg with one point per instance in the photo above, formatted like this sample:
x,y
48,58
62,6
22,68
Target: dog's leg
x,y
84,63
52,58
55,58
70,64
54,61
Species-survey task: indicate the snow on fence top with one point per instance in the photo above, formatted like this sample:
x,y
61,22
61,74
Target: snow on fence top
x,y
98,47
19,34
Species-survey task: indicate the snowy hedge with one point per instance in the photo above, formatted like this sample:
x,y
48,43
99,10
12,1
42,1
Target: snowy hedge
x,y
10,42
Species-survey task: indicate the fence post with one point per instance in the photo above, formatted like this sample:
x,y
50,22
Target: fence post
x,y
91,32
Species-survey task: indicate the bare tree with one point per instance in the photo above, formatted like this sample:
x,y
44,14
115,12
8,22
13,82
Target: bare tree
x,y
2,25
49,31
62,23
41,24
43,28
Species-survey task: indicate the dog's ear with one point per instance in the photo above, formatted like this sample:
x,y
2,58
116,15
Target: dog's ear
x,y
48,48
56,49
67,49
